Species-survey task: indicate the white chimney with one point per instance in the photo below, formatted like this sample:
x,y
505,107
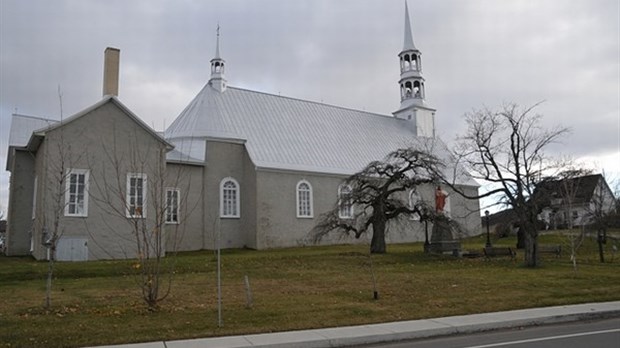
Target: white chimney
x,y
110,71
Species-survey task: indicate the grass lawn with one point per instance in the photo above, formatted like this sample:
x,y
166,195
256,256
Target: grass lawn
x,y
98,303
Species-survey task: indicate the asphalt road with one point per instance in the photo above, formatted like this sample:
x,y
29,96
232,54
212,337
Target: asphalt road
x,y
591,334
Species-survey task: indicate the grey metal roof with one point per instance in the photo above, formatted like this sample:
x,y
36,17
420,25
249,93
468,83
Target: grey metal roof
x,y
23,126
293,134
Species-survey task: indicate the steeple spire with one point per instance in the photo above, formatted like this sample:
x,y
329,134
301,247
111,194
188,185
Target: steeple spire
x,y
218,81
217,43
412,92
408,45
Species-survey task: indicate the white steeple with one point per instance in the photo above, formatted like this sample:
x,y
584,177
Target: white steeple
x,y
217,81
408,45
412,90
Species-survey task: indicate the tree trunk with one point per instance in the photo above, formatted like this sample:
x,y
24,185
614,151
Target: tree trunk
x,y
520,238
601,240
50,274
377,244
531,248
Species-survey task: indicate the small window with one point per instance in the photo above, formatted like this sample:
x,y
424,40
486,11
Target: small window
x,y
136,195
76,194
414,199
229,198
304,199
345,204
172,206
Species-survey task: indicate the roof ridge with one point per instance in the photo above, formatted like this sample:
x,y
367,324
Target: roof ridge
x,y
311,101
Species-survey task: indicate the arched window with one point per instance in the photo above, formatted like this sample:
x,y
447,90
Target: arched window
x,y
417,90
229,198
304,199
414,199
345,203
408,89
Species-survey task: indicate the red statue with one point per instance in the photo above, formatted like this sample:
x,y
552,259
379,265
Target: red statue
x,y
440,200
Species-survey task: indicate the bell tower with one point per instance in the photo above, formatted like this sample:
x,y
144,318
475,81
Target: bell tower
x,y
217,80
413,105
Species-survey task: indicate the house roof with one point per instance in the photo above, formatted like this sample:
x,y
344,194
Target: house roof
x,y
21,130
582,187
27,131
106,99
293,134
22,127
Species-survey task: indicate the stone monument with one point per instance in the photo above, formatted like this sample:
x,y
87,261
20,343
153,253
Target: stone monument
x,y
442,238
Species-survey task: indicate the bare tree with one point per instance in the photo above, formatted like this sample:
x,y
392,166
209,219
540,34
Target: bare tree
x,y
505,149
61,191
136,187
379,193
566,187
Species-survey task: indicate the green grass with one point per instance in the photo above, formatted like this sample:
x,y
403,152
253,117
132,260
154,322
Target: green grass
x,y
98,303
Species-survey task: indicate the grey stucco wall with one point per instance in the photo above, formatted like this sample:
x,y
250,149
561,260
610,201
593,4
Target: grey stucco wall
x,y
19,212
189,233
223,160
110,144
279,226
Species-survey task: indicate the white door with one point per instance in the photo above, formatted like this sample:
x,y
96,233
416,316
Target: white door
x,y
72,249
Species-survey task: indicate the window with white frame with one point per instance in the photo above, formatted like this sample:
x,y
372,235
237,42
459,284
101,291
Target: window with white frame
x,y
345,204
304,199
172,205
76,193
136,195
229,198
414,199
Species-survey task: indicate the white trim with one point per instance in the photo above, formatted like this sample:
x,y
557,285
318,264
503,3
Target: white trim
x,y
144,195
340,202
237,199
310,213
177,207
77,172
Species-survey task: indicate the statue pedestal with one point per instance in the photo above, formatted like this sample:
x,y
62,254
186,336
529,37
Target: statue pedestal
x,y
442,239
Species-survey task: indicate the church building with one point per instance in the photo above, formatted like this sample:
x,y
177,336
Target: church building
x,y
238,168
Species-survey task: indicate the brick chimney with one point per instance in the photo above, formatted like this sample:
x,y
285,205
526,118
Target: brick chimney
x,y
110,71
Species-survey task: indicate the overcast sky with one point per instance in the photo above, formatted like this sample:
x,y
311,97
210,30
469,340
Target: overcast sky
x,y
343,52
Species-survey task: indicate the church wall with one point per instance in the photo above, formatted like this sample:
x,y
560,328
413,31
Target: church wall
x,y
467,211
279,226
225,159
277,221
189,233
19,213
109,144
249,202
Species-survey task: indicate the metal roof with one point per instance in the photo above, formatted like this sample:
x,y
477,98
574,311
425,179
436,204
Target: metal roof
x,y
22,127
292,134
